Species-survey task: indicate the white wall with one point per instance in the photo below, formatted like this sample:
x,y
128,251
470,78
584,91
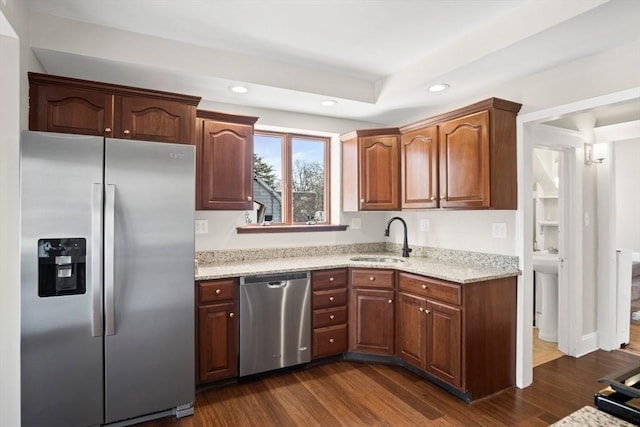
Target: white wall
x,y
627,179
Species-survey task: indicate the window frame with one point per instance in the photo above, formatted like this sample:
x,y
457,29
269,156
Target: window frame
x,y
286,139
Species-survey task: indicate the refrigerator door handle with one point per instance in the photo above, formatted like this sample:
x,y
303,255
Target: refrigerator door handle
x,y
96,260
109,257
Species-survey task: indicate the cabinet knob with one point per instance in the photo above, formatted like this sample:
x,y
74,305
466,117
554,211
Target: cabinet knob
x,y
424,286
361,200
427,311
333,316
421,308
107,130
372,278
232,315
443,198
249,198
390,301
331,299
331,340
218,291
126,131
331,279
433,198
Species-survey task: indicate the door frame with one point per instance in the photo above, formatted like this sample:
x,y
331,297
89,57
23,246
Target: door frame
x,y
527,126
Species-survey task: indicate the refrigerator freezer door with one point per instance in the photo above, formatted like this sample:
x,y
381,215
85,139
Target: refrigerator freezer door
x,y
149,347
61,346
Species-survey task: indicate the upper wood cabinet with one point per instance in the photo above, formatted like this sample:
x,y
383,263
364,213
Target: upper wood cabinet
x,y
462,159
66,105
370,170
224,165
419,168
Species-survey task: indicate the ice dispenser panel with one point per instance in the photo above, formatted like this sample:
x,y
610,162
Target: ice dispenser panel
x,y
61,267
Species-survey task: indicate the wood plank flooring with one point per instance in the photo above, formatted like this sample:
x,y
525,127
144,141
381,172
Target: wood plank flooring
x,y
346,393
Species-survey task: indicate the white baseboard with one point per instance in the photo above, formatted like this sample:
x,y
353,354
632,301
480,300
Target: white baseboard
x,y
587,344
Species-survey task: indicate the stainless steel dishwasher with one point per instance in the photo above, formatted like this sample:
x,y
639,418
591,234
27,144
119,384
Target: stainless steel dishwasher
x,y
275,324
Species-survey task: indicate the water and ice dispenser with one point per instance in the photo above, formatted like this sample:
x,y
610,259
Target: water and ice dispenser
x,y
61,267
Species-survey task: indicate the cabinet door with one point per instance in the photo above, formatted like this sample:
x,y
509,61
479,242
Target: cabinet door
x,y
464,162
217,342
379,173
154,119
419,165
444,342
371,321
226,166
411,329
70,110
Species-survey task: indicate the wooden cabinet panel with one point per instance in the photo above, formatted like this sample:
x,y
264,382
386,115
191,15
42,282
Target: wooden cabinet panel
x,y
419,168
371,170
329,316
224,169
62,104
464,162
329,341
216,330
371,321
411,329
217,342
444,342
431,288
329,278
159,120
375,278
70,110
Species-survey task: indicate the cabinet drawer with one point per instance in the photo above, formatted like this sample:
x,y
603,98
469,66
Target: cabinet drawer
x,y
431,288
217,290
329,298
372,278
329,341
329,316
329,278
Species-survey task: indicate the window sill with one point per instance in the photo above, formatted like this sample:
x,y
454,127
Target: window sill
x,y
297,228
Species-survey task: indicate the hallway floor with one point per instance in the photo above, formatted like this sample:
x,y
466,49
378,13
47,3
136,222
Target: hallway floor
x,y
544,351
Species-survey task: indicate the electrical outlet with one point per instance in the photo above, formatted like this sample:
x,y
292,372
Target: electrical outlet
x,y
424,225
356,223
202,226
499,230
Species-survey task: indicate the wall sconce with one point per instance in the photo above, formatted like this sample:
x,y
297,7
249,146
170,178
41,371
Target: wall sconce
x,y
594,153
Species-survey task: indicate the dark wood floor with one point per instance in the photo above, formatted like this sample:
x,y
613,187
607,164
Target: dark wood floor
x,y
363,394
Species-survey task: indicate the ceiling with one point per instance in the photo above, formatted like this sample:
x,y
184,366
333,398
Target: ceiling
x,y
374,57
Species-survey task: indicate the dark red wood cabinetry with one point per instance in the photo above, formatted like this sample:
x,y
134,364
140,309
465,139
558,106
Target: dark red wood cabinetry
x,y
330,312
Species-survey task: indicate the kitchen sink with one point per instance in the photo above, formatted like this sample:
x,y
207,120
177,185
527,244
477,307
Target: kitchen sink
x,y
376,259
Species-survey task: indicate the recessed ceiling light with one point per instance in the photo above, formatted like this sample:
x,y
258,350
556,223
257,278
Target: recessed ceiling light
x,y
438,87
328,103
239,89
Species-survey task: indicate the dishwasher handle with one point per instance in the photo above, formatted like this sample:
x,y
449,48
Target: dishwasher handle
x,y
277,285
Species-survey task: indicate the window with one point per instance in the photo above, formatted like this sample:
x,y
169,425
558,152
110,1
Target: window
x,y
290,179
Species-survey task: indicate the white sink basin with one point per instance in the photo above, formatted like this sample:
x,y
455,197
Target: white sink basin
x,y
544,262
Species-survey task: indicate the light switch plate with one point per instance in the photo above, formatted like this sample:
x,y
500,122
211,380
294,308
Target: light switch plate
x,y
202,226
356,223
424,225
499,230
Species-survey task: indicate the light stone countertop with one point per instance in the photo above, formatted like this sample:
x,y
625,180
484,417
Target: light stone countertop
x,y
451,271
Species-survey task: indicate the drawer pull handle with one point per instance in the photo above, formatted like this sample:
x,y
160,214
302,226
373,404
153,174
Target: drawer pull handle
x,y
126,131
232,315
331,340
107,130
331,299
249,198
332,317
218,291
424,286
390,301
331,279
372,278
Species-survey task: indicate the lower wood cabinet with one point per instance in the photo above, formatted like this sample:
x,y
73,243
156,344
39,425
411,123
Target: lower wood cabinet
x,y
217,330
463,335
330,312
371,314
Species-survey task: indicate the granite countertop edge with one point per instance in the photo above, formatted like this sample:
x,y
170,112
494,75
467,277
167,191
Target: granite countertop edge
x,y
454,272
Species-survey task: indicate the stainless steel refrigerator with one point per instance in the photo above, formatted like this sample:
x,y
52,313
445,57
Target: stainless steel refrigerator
x,y
107,269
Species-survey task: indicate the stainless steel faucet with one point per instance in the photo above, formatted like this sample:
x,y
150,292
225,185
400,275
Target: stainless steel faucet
x,y
405,245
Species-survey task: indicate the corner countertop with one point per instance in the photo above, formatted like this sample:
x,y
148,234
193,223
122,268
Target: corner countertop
x,y
452,271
